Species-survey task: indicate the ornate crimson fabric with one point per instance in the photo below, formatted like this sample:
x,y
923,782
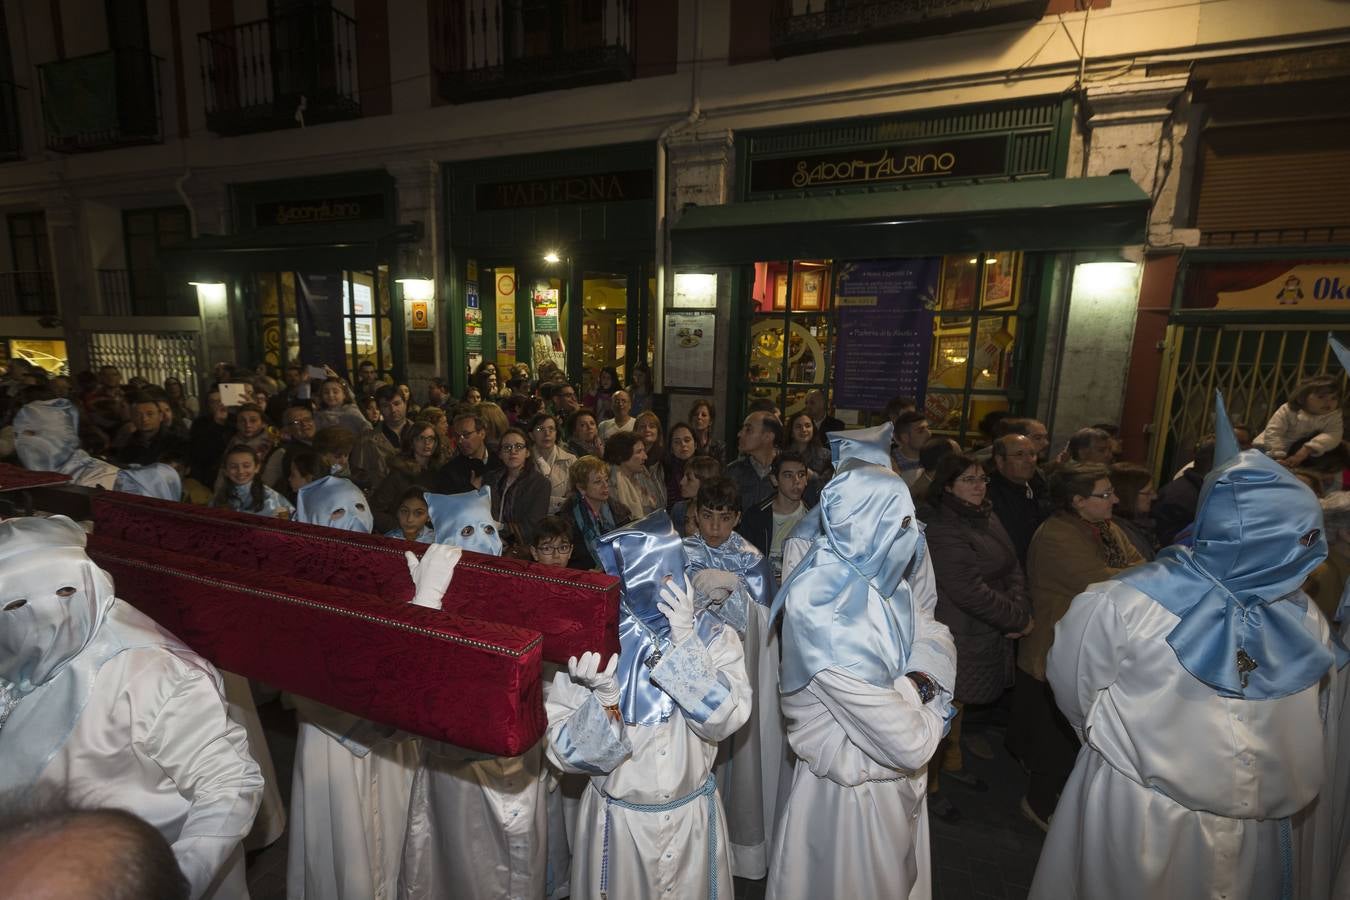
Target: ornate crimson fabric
x,y
325,614
574,611
17,478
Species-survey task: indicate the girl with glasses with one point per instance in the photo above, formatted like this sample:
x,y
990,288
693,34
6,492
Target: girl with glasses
x,y
520,493
420,454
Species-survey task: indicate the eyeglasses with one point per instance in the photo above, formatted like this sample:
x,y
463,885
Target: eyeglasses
x,y
427,438
554,548
512,448
546,429
297,422
974,479
465,435
1104,495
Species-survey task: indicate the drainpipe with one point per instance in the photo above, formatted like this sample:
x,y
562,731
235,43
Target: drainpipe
x,y
691,119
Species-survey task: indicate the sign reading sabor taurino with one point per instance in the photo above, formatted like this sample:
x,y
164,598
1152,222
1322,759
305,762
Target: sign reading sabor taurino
x,y
948,158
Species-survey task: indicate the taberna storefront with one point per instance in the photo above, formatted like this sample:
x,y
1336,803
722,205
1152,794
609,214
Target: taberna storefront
x,y
308,274
912,255
551,258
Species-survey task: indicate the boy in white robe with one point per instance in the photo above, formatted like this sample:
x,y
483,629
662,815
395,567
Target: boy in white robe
x,y
866,688
477,825
1197,683
99,703
735,582
352,777
645,728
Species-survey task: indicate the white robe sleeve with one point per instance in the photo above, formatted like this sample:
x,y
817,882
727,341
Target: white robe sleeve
x,y
1330,429
1086,654
892,726
709,682
206,756
1276,436
581,737
933,651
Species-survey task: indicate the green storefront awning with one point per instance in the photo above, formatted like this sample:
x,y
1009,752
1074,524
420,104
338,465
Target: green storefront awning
x,y
319,248
1102,212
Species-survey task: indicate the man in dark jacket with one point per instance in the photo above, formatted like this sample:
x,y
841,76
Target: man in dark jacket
x,y
1018,491
768,523
150,438
758,442
1174,507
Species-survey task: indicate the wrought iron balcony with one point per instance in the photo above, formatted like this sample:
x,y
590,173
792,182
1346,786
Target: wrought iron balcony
x,y
27,294
11,136
145,292
101,101
481,49
805,26
281,72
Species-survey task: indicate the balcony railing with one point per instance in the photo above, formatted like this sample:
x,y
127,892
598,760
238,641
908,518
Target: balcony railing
x,y
805,26
27,294
283,72
146,292
11,137
482,49
101,101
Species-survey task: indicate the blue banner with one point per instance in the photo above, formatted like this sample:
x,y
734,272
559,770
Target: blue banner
x,y
318,309
885,331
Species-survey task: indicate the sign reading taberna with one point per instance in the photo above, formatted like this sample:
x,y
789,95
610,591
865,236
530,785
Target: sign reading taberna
x,y
947,158
604,187
362,208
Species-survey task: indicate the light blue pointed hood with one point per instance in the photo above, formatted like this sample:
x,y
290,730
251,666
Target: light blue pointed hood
x,y
157,480
335,502
871,445
1258,535
465,521
847,605
642,555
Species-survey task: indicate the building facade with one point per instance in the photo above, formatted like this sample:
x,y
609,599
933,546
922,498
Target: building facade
x,y
1042,206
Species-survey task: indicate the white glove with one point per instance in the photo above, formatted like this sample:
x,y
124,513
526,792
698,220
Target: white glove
x,y
431,575
678,607
586,672
715,584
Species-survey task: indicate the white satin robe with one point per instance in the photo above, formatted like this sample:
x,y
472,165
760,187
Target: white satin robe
x,y
651,854
270,822
154,739
1177,792
752,768
855,822
348,810
477,826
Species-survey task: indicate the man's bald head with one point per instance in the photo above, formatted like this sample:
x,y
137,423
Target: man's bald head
x,y
86,855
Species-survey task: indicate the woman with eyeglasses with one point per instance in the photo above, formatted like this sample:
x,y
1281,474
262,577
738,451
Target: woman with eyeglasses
x,y
552,460
981,597
633,485
1077,546
420,454
1134,489
520,493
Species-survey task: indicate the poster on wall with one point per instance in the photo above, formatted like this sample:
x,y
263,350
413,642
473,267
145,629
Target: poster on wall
x,y
473,321
885,330
506,317
689,359
321,297
545,302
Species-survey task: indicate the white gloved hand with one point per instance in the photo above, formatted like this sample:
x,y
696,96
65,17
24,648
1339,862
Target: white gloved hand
x,y
677,605
431,575
586,671
715,584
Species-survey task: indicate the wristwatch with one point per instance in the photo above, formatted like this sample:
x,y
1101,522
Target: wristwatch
x,y
927,686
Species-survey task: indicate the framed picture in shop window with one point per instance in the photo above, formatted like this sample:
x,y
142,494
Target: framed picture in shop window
x,y
1001,280
808,290
780,290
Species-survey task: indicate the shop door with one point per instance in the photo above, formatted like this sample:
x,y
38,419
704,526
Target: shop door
x,y
617,306
1256,366
337,318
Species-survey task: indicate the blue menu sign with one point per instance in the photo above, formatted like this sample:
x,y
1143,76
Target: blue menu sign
x,y
885,330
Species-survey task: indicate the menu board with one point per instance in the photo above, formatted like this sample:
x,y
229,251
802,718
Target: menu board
x,y
690,340
885,330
